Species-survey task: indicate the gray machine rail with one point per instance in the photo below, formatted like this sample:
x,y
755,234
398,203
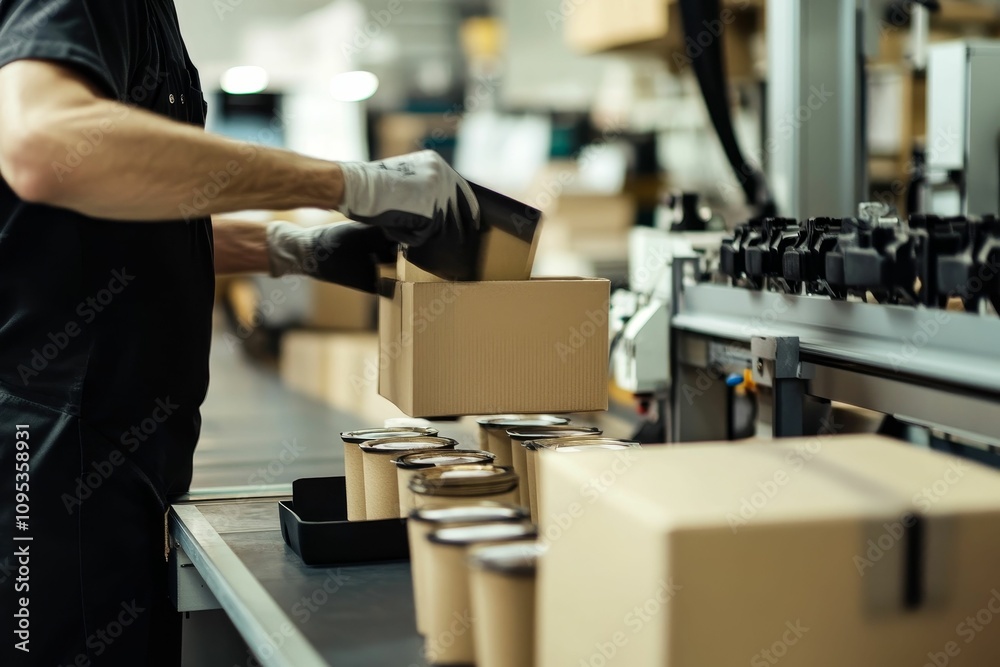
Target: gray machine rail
x,y
931,367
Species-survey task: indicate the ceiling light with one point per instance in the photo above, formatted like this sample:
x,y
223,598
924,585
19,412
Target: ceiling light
x,y
244,80
353,86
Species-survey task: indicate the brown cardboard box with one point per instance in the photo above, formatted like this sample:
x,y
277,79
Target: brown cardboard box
x,y
601,25
338,307
301,362
339,368
802,550
325,305
655,26
476,348
557,190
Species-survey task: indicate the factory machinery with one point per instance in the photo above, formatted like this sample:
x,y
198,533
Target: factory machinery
x,y
797,325
894,316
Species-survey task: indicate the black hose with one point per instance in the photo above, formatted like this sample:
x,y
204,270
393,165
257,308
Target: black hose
x,y
697,15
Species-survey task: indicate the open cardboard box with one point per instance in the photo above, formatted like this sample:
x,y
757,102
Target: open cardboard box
x,y
469,348
502,248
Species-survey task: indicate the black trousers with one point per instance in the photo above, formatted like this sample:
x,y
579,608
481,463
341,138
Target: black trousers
x,y
83,579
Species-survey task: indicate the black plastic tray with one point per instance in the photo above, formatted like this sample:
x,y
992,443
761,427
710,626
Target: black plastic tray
x,y
314,524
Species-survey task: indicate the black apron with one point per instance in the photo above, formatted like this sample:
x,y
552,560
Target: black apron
x,y
104,339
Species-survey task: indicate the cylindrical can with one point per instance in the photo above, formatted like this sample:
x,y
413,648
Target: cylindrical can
x,y
521,434
461,484
354,471
564,446
449,642
494,430
502,591
483,431
381,491
422,521
409,464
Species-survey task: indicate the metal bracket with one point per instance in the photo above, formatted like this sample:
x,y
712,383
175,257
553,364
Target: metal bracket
x,y
776,364
188,590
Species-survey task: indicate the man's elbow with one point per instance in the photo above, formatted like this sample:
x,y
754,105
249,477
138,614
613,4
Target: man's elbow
x,y
26,167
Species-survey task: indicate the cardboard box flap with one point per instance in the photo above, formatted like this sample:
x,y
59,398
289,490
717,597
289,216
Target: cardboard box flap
x,y
468,254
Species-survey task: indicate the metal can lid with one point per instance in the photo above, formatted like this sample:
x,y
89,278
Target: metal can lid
x,y
366,434
482,421
506,422
526,433
464,480
480,512
517,559
580,444
401,445
462,536
434,458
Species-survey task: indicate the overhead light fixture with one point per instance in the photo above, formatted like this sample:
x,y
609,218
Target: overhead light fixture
x,y
353,86
244,80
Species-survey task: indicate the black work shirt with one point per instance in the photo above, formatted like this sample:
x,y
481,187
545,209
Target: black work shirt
x,y
109,321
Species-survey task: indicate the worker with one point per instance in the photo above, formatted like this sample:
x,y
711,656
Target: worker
x,y
108,257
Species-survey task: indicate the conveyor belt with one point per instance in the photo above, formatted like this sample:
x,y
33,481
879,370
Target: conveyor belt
x,y
291,615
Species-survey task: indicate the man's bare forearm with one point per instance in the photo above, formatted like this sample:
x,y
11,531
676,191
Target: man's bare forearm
x,y
240,246
145,167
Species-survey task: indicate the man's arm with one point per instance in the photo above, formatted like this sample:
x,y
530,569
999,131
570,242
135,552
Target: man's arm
x,y
146,167
240,246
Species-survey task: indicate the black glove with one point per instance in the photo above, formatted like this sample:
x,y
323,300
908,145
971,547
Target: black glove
x,y
346,253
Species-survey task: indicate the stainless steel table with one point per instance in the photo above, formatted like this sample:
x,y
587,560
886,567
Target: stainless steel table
x,y
230,551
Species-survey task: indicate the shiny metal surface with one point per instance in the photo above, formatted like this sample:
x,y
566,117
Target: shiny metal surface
x,y
291,614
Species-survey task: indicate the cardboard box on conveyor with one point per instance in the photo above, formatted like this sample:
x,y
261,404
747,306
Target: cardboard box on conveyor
x,y
463,330
838,550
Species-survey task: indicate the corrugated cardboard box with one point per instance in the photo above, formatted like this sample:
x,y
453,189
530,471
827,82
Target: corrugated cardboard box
x,y
340,369
564,196
338,307
472,348
655,26
823,552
